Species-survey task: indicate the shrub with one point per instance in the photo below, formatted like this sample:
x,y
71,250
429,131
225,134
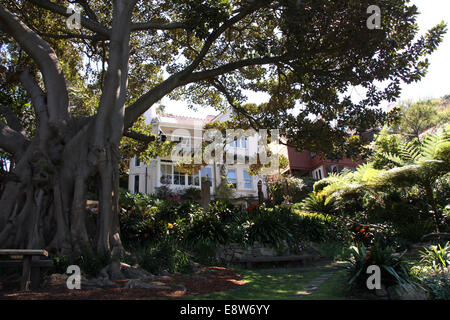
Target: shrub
x,y
436,257
145,218
319,227
226,212
89,261
286,190
191,194
433,271
407,211
163,255
316,203
164,192
394,269
281,225
437,284
268,227
204,252
207,226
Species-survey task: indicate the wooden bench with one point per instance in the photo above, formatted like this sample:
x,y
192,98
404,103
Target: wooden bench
x,y
249,261
31,264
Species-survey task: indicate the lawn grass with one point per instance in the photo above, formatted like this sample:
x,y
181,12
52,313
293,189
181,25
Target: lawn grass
x,y
283,284
332,289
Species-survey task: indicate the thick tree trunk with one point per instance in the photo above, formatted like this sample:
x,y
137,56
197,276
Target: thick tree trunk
x,y
47,208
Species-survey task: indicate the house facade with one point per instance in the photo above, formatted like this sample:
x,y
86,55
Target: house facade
x,y
189,132
309,164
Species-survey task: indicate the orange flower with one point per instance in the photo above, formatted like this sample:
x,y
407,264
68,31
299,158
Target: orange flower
x,y
367,235
170,225
362,230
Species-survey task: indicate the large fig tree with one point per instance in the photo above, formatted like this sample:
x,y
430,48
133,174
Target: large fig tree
x,y
87,86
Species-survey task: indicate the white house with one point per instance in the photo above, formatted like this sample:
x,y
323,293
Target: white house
x,y
146,177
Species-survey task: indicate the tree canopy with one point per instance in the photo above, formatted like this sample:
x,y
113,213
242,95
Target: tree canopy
x,y
422,115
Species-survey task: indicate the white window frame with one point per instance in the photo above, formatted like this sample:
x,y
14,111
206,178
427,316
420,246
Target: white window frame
x,y
247,180
161,173
235,178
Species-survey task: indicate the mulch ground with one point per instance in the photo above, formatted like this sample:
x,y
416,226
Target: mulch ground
x,y
206,280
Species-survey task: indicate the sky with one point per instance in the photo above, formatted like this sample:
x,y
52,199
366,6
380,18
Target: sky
x,y
437,81
435,84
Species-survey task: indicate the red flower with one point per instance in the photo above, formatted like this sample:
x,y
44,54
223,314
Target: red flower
x,y
150,226
367,235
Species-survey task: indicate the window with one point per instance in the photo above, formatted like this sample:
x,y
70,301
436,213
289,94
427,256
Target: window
x,y
206,174
244,143
247,180
231,176
166,174
136,184
320,174
239,143
179,178
194,179
137,163
234,143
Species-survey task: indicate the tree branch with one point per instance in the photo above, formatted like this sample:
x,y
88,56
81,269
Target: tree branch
x,y
90,13
139,136
69,35
254,124
114,93
89,24
219,31
46,59
11,119
37,95
179,79
139,26
229,67
10,140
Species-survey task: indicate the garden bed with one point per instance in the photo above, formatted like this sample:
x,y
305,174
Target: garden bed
x,y
205,280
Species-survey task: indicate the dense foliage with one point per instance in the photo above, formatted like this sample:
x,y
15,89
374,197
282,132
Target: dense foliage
x,y
394,268
147,221
433,271
411,191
